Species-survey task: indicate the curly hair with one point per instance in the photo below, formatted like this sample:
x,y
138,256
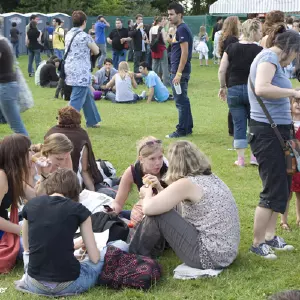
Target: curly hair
x,y
230,28
274,17
69,117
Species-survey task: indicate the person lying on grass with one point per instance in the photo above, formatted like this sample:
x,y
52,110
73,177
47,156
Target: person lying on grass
x,y
50,222
157,90
150,166
207,235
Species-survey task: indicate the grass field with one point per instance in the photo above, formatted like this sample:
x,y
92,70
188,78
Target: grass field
x,y
122,125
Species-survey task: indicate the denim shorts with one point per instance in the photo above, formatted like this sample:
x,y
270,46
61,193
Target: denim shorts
x,y
272,166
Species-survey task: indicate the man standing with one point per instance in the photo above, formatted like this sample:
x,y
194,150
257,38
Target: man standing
x,y
139,37
14,38
58,39
119,40
130,50
181,54
32,18
217,27
100,38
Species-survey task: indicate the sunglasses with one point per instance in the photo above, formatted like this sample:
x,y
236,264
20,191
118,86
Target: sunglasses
x,y
151,143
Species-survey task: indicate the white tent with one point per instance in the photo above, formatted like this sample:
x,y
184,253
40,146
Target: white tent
x,y
253,6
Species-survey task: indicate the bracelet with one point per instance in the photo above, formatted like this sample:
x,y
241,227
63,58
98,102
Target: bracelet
x,y
223,87
179,74
21,232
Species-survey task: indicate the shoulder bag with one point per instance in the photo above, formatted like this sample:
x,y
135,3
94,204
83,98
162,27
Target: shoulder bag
x,y
61,67
291,148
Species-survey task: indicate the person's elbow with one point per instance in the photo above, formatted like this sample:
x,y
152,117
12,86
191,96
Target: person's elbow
x,y
96,51
95,257
260,90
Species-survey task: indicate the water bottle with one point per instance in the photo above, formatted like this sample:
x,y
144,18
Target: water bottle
x,y
177,88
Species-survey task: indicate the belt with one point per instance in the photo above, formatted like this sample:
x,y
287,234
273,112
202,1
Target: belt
x,y
262,124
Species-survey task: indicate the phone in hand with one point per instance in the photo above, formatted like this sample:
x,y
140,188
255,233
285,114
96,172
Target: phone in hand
x,y
108,208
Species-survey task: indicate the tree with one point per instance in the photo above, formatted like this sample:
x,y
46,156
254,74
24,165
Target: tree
x,y
8,6
144,7
201,7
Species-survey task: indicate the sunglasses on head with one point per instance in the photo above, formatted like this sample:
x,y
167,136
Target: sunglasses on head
x,y
150,143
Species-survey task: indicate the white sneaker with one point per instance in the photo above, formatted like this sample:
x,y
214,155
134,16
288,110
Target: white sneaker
x,y
143,95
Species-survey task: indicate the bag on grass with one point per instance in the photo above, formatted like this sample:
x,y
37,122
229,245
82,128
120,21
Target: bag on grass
x,y
127,270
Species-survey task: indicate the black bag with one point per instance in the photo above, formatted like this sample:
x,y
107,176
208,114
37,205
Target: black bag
x,y
61,67
118,230
154,42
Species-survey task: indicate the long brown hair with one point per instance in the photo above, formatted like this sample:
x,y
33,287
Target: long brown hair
x,y
230,28
14,161
273,33
274,17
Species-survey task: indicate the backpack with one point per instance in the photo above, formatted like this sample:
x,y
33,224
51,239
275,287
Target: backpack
x,y
154,42
127,270
107,170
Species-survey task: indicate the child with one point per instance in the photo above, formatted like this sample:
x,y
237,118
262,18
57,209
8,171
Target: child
x,y
202,46
296,178
216,52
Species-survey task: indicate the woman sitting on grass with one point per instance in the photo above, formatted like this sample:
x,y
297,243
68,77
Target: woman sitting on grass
x,y
49,225
150,166
207,235
123,81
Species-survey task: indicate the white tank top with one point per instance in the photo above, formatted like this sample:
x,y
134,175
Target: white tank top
x,y
123,89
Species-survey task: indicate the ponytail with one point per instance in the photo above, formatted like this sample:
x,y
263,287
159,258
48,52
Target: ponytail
x,y
275,30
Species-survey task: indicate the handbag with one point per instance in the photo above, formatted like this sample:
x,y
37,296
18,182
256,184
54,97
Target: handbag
x,y
25,98
9,245
61,67
291,148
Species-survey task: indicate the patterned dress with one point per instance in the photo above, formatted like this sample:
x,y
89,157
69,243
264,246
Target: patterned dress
x,y
216,219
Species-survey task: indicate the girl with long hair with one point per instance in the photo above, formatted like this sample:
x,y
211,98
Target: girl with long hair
x,y
202,46
124,81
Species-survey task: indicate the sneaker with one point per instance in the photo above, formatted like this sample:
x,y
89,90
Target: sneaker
x,y
253,161
240,162
143,95
264,251
279,244
174,135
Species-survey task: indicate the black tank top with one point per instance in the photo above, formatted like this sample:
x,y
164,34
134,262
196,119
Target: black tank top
x,y
138,175
5,204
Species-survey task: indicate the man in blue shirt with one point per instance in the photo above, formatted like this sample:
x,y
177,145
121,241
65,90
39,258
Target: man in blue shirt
x,y
181,55
157,90
101,39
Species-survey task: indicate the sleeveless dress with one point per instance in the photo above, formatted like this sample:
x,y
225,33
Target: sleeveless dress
x,y
216,219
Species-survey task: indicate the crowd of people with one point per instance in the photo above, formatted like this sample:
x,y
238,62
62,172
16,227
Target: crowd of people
x,y
182,203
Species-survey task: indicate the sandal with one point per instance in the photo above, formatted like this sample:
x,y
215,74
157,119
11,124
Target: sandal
x,y
286,226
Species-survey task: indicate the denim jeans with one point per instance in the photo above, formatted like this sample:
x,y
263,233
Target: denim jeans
x,y
16,48
102,57
239,106
33,55
160,67
89,273
59,53
118,56
182,101
83,98
9,106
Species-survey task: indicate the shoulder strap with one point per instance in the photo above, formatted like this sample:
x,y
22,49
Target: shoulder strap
x,y
266,112
66,54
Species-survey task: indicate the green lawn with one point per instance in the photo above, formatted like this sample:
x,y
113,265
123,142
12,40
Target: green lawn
x,y
122,125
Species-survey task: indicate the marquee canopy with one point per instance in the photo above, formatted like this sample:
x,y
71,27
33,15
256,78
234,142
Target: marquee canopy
x,y
253,6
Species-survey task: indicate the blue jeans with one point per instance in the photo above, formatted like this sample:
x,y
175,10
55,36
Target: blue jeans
x,y
59,53
239,106
119,56
89,273
82,98
9,106
102,57
36,55
16,48
182,101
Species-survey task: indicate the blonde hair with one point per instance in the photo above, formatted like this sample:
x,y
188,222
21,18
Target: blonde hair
x,y
123,69
145,150
56,143
202,31
250,28
185,159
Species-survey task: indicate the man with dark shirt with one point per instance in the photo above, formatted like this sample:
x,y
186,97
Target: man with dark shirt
x,y
217,27
119,39
48,75
14,38
181,55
